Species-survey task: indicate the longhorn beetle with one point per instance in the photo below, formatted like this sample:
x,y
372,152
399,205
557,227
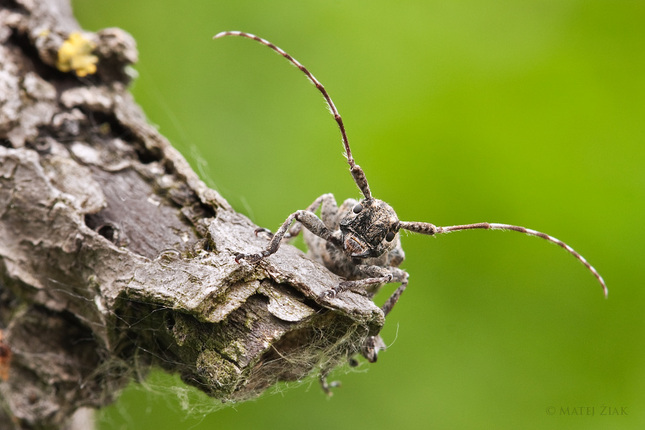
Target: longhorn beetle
x,y
359,240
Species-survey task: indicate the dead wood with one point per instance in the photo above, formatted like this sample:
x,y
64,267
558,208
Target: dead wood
x,y
115,257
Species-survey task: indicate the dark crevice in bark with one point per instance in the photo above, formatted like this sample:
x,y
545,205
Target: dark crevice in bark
x,y
13,6
34,63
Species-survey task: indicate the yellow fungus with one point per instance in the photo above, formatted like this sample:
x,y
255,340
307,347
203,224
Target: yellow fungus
x,y
76,54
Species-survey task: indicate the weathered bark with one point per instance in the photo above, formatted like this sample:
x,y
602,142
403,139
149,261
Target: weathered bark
x,y
115,257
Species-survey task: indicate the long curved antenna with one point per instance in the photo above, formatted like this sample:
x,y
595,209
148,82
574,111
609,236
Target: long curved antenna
x,y
356,171
431,229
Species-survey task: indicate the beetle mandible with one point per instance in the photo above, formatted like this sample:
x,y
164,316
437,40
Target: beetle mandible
x,y
359,240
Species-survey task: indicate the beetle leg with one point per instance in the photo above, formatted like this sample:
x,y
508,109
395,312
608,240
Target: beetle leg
x,y
374,344
307,218
328,211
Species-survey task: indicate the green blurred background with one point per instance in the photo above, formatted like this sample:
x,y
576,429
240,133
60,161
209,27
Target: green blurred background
x,y
528,112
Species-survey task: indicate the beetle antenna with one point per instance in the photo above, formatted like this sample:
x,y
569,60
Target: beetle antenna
x,y
355,169
431,229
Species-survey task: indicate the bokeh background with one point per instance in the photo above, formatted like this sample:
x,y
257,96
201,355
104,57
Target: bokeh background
x,y
529,112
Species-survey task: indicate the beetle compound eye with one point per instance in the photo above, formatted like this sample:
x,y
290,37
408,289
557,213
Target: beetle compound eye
x,y
390,236
357,208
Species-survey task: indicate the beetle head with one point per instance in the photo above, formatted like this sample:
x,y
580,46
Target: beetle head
x,y
369,229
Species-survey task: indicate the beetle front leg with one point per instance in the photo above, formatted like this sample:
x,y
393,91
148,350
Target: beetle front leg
x,y
307,218
328,211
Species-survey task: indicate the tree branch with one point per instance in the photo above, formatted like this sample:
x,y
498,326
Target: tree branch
x,y
115,257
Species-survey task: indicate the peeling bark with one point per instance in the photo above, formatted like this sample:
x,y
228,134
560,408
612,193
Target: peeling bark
x,y
115,257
